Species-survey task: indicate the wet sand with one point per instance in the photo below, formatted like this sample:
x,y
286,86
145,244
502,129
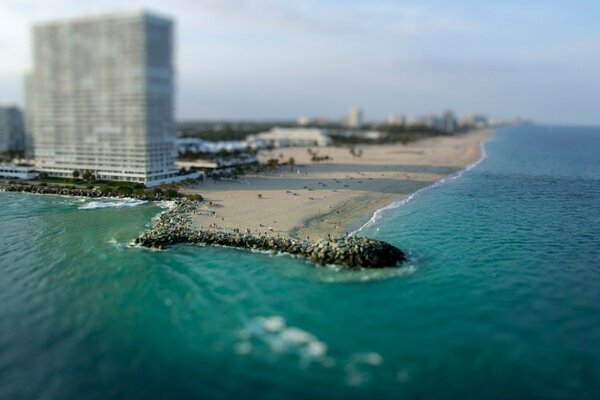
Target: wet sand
x,y
317,199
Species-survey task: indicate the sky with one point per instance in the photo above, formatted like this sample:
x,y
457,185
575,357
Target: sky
x,y
280,59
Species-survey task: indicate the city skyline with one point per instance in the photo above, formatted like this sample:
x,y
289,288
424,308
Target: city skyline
x,y
272,60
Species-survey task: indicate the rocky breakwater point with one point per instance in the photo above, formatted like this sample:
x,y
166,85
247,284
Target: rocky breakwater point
x,y
175,226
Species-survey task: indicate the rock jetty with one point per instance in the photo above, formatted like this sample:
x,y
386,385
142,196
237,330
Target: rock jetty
x,y
65,191
174,226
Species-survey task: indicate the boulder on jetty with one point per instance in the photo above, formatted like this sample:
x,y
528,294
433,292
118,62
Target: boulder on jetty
x,y
175,226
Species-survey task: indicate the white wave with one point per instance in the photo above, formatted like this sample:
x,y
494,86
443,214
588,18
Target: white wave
x,y
166,204
377,215
119,246
344,275
271,333
93,205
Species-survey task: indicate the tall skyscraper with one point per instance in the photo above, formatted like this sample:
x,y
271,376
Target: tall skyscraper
x,y
355,118
100,97
12,133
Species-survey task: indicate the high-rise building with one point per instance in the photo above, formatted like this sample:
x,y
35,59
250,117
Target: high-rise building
x,y
396,119
355,118
100,97
449,122
12,133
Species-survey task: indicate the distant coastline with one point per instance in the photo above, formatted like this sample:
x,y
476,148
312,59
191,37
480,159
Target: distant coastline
x,y
316,200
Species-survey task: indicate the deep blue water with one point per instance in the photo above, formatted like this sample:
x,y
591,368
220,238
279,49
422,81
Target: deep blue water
x,y
500,298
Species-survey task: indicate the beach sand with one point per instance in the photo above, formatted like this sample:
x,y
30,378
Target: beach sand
x,y
316,199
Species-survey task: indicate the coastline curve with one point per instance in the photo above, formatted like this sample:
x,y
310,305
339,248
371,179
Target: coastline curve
x,y
378,214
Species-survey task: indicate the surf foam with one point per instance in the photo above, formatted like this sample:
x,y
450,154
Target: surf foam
x,y
93,205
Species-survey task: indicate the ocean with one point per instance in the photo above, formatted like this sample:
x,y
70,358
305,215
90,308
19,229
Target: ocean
x,y
500,297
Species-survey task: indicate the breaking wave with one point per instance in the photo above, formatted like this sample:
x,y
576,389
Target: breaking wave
x,y
93,205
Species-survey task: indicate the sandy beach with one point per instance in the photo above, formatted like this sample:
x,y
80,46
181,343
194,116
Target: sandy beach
x,y
317,199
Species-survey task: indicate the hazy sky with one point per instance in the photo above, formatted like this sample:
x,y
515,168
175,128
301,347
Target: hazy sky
x,y
281,59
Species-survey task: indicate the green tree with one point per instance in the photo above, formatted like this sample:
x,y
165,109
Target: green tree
x,y
272,163
75,174
171,193
194,197
124,190
105,189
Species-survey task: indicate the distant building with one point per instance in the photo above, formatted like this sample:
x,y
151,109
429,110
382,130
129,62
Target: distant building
x,y
370,135
430,121
215,164
360,134
12,130
444,123
196,145
303,121
287,137
355,118
450,125
321,120
475,121
101,97
396,119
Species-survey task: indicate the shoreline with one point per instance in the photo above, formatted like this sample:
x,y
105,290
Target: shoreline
x,y
316,200
378,214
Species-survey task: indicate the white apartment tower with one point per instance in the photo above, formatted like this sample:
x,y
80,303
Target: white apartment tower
x,y
100,97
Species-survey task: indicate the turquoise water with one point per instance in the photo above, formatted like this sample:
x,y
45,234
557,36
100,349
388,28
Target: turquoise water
x,y
500,298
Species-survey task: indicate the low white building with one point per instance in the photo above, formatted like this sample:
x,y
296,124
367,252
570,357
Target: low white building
x,y
196,145
288,137
12,171
216,164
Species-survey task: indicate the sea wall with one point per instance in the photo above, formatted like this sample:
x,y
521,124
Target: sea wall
x,y
63,191
174,227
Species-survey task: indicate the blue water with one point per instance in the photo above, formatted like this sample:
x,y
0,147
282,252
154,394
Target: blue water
x,y
500,297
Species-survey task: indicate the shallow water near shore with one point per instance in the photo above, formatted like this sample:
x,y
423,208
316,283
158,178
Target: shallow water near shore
x,y
499,297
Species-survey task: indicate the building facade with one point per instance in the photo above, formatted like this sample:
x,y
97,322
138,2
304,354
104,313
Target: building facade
x,y
100,97
12,131
13,171
288,137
